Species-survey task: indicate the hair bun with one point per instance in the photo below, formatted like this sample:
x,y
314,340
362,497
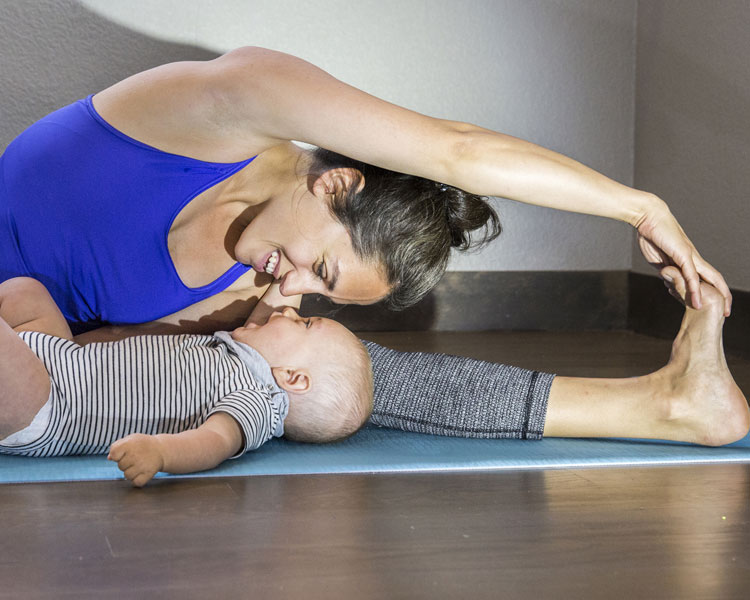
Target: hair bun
x,y
466,214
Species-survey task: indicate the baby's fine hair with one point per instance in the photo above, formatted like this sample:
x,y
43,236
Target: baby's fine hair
x,y
339,403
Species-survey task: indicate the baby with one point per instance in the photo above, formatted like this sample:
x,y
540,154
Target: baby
x,y
178,403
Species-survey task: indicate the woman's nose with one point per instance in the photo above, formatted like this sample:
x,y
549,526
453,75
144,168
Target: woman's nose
x,y
294,283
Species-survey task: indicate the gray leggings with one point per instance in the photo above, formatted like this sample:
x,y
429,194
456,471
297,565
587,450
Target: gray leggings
x,y
457,396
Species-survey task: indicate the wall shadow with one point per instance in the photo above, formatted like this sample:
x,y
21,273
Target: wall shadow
x,y
57,51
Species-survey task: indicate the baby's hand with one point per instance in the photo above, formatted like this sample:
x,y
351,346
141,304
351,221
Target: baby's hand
x,y
138,456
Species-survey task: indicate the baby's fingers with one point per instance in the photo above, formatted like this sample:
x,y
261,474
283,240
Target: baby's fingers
x,y
119,448
137,476
116,451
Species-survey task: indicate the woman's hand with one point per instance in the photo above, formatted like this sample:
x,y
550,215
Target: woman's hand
x,y
138,456
664,243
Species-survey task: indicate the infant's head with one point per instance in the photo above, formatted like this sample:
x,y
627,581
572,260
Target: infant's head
x,y
324,369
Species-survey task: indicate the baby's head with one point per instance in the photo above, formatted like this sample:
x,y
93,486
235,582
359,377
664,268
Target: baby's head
x,y
324,369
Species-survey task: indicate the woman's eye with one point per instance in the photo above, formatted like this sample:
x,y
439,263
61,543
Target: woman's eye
x,y
307,323
321,270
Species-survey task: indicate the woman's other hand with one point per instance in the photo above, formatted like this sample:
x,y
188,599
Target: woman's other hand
x,y
664,243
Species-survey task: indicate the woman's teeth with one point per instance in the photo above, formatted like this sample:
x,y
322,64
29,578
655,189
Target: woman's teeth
x,y
271,264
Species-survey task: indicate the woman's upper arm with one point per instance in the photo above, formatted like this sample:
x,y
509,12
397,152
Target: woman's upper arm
x,y
251,99
287,98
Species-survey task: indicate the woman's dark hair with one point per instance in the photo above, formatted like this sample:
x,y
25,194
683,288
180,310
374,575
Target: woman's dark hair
x,y
407,224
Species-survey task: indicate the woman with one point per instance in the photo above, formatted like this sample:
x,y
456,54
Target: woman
x,y
175,199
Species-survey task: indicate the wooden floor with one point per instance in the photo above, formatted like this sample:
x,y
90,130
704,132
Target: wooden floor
x,y
678,532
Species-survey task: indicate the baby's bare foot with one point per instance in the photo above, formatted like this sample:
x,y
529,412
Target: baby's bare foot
x,y
704,403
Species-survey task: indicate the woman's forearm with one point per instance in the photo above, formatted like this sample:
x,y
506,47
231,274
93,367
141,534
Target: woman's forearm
x,y
494,164
489,163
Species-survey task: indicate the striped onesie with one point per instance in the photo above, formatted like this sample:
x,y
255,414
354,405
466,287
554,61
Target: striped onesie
x,y
149,384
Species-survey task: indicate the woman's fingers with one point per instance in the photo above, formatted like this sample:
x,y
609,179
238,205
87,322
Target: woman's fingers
x,y
663,242
692,280
696,270
693,267
652,253
675,283
712,276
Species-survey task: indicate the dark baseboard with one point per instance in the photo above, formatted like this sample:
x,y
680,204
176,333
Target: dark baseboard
x,y
540,300
493,300
652,311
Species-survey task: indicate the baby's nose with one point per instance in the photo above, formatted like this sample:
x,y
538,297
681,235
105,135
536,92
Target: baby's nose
x,y
289,312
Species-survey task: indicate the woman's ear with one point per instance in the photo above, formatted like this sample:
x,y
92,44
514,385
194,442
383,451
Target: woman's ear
x,y
292,380
337,181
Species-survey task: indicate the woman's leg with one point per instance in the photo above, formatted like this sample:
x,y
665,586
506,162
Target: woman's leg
x,y
24,382
693,398
457,396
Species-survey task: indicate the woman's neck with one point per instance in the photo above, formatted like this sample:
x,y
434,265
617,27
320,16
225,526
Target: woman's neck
x,y
280,175
279,172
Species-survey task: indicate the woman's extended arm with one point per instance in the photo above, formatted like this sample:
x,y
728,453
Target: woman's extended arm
x,y
251,99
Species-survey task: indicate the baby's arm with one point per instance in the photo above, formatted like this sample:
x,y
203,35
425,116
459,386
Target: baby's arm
x,y
141,456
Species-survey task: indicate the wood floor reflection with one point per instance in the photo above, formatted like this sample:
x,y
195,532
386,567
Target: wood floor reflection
x,y
677,532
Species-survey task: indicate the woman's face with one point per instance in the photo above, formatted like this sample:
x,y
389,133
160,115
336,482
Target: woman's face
x,y
300,243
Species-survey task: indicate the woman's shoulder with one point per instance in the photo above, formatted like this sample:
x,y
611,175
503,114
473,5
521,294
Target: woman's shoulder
x,y
185,107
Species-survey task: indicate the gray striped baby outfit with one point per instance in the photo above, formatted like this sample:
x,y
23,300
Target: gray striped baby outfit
x,y
151,384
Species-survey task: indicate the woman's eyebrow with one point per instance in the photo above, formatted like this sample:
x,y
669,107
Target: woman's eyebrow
x,y
334,277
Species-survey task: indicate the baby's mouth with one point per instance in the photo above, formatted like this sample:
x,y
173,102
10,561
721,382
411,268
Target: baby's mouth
x,y
273,260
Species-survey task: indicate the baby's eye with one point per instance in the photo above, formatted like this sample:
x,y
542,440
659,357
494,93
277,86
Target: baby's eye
x,y
308,322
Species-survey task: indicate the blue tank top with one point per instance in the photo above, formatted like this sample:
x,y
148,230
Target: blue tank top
x,y
87,211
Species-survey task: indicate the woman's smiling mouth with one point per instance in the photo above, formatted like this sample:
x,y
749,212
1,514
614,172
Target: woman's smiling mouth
x,y
272,263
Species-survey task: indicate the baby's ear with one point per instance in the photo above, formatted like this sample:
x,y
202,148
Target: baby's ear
x,y
292,379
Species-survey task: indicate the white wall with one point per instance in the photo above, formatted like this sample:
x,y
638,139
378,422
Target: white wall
x,y
693,123
557,72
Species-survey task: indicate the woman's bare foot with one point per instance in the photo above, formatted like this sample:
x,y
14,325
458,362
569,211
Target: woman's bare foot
x,y
692,399
702,402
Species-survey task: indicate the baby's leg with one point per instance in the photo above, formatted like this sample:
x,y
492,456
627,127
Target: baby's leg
x,y
25,305
24,382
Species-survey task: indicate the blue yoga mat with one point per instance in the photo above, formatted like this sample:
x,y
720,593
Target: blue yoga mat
x,y
376,450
